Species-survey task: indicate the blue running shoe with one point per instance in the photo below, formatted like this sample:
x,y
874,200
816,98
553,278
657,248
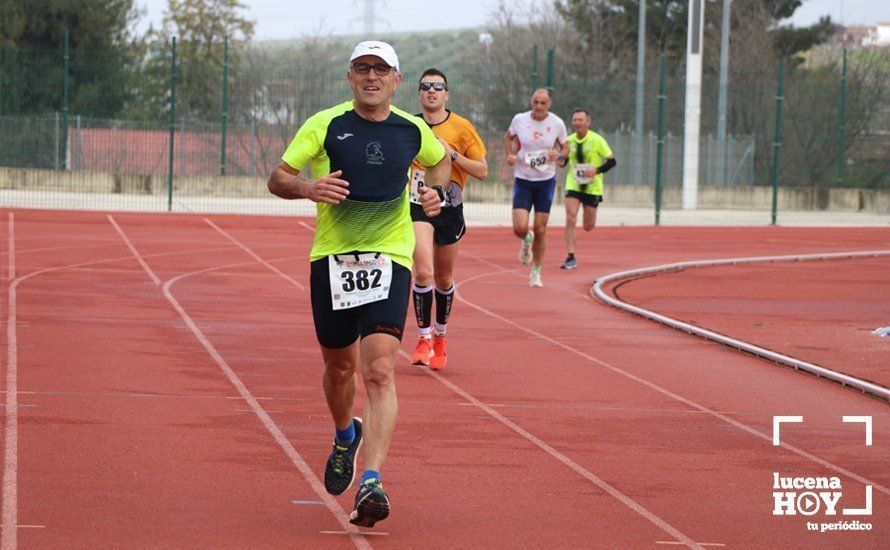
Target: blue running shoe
x,y
339,473
371,504
570,263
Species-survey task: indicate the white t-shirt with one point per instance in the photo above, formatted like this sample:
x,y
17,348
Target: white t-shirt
x,y
536,137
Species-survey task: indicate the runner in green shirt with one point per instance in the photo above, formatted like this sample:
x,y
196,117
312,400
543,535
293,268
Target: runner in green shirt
x,y
360,274
589,157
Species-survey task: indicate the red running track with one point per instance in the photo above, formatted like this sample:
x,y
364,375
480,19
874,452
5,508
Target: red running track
x,y
163,390
823,312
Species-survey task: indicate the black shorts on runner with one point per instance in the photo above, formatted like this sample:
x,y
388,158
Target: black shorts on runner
x,y
338,329
448,227
586,199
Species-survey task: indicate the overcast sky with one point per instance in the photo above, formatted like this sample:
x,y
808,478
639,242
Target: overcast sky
x,y
278,19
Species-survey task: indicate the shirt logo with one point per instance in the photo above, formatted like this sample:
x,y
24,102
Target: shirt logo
x,y
374,153
537,135
344,136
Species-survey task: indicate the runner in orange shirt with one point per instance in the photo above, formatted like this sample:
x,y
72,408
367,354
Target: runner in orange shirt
x,y
437,238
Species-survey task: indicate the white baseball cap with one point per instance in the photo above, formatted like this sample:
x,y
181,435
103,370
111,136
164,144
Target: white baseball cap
x,y
380,49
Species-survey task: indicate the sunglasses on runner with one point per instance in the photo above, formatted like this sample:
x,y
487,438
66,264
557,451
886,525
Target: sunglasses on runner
x,y
382,69
438,86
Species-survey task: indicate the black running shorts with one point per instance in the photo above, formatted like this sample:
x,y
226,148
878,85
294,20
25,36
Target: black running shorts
x,y
585,198
340,328
448,227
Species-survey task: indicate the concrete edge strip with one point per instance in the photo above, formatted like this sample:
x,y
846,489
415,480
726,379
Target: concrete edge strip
x,y
797,364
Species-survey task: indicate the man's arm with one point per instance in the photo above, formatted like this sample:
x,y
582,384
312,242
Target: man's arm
x,y
436,176
565,154
508,148
476,168
603,168
557,155
285,182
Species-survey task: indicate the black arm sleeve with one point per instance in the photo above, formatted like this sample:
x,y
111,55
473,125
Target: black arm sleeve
x,y
608,165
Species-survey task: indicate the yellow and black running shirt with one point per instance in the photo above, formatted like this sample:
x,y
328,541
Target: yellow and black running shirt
x,y
593,151
374,158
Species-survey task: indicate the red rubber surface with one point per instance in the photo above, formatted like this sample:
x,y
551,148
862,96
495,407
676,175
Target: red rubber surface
x,y
823,312
557,422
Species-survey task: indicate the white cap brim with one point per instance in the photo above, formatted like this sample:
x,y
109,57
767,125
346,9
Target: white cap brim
x,y
378,49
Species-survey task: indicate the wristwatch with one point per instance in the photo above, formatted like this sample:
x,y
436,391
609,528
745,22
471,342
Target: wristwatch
x,y
454,155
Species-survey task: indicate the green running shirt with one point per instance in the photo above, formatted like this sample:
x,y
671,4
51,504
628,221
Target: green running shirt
x,y
595,151
375,158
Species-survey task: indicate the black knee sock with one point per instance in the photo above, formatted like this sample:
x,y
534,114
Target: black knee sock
x,y
444,298
423,305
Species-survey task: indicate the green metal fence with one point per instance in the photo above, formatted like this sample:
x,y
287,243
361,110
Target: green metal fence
x,y
164,134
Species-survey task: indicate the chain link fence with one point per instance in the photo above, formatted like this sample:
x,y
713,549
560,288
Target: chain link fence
x,y
73,136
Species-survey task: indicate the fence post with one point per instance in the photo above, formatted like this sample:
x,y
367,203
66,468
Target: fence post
x,y
58,145
550,70
777,142
660,140
79,155
225,106
172,126
842,125
535,67
252,134
709,167
65,104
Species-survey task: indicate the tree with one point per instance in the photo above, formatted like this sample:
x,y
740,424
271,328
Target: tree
x,y
101,50
200,27
609,27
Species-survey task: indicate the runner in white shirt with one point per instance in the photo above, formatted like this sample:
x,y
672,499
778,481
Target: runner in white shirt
x,y
539,137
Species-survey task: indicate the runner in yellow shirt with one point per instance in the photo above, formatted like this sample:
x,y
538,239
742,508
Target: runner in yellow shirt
x,y
360,275
435,251
589,157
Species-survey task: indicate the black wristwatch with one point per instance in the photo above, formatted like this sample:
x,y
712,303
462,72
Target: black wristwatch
x,y
454,155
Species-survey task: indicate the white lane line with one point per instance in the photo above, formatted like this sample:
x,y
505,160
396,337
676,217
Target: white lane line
x,y
21,251
9,534
9,517
254,255
135,252
668,393
10,274
263,416
516,271
265,419
772,356
621,497
577,468
367,533
670,542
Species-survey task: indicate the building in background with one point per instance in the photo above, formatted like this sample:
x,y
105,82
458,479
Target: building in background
x,y
863,35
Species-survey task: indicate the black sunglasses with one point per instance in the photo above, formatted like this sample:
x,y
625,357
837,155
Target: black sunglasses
x,y
438,86
382,69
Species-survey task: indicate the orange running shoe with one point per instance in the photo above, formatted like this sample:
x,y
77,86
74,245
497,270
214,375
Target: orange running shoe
x,y
437,360
422,352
